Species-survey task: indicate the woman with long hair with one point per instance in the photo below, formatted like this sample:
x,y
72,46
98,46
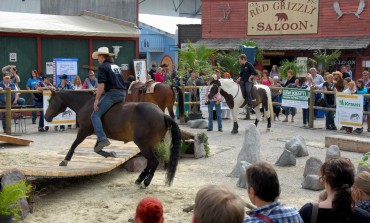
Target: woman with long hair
x,y
361,190
338,176
31,82
361,89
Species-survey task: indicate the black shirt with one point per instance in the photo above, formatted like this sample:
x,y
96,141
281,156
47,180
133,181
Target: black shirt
x,y
326,215
152,74
246,70
289,81
345,75
330,98
110,75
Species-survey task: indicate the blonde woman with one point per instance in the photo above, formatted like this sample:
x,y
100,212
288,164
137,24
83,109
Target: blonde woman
x,y
77,83
361,191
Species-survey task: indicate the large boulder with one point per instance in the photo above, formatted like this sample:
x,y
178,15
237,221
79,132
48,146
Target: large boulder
x,y
287,158
136,164
333,151
312,182
13,177
297,145
312,166
250,151
198,124
242,182
199,151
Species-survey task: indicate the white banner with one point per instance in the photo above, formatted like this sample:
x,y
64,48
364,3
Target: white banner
x,y
349,110
202,99
68,117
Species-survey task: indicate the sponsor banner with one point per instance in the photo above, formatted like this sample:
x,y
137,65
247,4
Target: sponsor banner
x,y
68,117
297,98
202,99
302,63
283,17
349,111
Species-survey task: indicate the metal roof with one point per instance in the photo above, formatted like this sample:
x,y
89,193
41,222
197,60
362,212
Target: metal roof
x,y
347,42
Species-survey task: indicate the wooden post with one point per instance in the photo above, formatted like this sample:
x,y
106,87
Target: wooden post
x,y
311,110
8,116
182,119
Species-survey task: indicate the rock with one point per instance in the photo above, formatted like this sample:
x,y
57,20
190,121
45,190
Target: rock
x,y
198,124
10,178
136,164
242,182
250,151
199,151
361,168
297,145
287,158
333,151
312,166
312,182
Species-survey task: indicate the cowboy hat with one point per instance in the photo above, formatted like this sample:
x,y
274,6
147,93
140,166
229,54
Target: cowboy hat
x,y
101,51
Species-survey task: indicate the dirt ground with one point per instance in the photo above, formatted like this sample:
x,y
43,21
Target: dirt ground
x,y
112,197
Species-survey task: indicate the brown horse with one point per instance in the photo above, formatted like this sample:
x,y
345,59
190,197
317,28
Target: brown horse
x,y
143,123
164,96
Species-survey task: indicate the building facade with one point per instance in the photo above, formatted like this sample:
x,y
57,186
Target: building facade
x,y
290,28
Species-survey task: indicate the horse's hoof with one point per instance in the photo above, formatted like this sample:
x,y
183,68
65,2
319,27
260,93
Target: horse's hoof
x,y
113,154
63,163
234,132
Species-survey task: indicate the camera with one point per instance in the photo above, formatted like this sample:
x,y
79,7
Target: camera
x,y
206,103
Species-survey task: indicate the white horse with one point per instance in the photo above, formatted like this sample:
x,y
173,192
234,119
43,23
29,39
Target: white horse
x,y
232,93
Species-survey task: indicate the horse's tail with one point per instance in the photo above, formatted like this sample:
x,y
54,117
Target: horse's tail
x,y
175,148
269,113
180,100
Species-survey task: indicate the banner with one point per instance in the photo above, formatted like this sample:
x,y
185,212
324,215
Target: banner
x,y
202,99
297,98
68,117
283,17
140,70
302,64
349,110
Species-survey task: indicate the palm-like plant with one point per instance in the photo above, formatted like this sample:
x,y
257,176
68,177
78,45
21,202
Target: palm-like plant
x,y
286,65
228,62
324,60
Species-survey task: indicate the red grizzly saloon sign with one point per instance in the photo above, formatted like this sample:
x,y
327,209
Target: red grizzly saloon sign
x,y
283,17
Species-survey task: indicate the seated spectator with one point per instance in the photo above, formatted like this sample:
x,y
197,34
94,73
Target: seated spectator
x,y
263,191
149,210
15,99
91,82
338,176
77,83
361,190
217,204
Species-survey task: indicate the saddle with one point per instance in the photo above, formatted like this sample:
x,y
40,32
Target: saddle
x,y
136,88
255,95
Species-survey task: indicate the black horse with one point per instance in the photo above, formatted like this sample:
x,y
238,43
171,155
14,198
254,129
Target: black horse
x,y
144,123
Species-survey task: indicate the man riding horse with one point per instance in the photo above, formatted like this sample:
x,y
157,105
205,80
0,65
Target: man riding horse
x,y
111,89
247,73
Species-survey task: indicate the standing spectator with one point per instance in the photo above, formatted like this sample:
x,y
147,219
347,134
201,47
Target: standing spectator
x,y
263,191
64,85
291,110
318,82
227,75
305,111
173,73
31,82
337,175
192,81
90,82
149,210
265,79
338,81
276,97
15,99
217,204
361,89
152,72
159,76
349,71
290,78
274,72
76,82
366,79
167,76
218,73
39,102
343,70
330,102
11,70
214,102
361,190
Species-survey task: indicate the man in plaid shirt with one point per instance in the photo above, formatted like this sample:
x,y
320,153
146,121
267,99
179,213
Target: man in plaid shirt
x,y
263,191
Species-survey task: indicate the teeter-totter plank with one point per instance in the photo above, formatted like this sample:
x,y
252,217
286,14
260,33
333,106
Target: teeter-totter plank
x,y
15,140
349,143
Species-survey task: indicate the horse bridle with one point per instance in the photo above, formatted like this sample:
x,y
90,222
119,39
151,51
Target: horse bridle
x,y
219,87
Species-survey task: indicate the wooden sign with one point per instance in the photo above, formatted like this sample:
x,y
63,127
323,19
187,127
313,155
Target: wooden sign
x,y
283,17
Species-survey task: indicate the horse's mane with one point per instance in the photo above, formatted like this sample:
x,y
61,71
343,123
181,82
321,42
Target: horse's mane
x,y
227,84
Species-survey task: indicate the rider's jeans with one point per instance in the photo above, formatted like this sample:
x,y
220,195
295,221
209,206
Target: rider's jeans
x,y
248,88
108,99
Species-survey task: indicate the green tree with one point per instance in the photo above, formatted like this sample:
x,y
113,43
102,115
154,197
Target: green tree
x,y
324,60
229,62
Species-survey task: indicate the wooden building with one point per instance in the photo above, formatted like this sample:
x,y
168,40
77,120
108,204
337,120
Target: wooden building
x,y
290,28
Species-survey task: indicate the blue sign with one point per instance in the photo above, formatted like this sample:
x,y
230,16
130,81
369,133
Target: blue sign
x,y
68,66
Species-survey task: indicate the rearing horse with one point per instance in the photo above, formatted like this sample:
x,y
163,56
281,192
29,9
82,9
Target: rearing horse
x,y
232,93
144,123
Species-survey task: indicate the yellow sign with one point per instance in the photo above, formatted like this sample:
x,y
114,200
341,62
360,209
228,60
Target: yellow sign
x,y
283,17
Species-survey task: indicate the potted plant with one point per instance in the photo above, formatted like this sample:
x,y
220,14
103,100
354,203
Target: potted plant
x,y
9,196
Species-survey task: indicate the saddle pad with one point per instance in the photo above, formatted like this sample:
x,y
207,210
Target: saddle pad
x,y
150,88
131,85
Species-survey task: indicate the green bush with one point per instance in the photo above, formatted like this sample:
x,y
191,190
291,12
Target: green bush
x,y
163,150
364,161
9,198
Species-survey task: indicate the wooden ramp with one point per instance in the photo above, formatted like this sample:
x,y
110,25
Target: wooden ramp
x,y
15,140
84,162
349,143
